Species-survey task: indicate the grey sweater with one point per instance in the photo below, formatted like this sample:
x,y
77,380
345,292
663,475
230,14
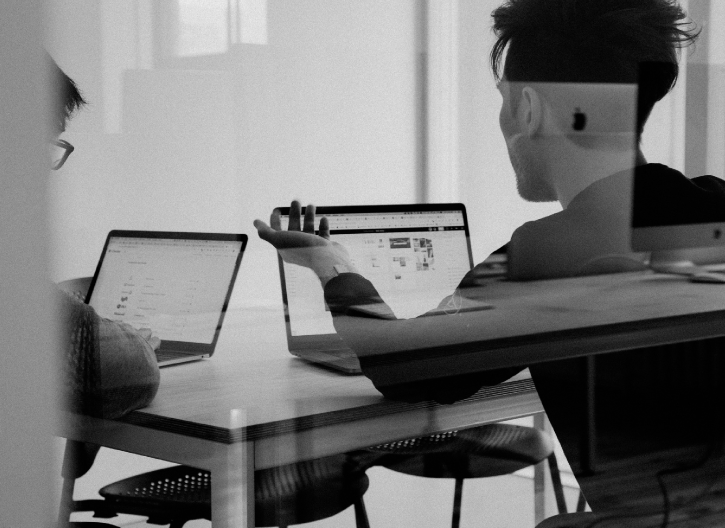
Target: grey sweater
x,y
108,369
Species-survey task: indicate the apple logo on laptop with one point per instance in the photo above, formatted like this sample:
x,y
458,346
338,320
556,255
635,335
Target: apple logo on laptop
x,y
580,120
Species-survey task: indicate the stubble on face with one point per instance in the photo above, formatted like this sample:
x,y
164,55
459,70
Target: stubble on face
x,y
529,169
531,182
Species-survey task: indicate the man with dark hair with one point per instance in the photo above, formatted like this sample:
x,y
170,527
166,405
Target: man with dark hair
x,y
545,41
109,368
592,42
68,99
597,41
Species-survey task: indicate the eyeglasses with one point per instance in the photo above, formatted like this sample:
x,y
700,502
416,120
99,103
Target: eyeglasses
x,y
59,152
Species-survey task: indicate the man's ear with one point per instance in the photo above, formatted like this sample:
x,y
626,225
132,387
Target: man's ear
x,y
531,112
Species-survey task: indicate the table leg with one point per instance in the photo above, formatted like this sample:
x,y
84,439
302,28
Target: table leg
x,y
540,512
232,488
589,434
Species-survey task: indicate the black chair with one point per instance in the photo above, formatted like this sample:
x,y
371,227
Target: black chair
x,y
486,451
291,494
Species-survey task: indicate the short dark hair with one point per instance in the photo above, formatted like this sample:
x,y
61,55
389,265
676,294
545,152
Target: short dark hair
x,y
68,98
593,41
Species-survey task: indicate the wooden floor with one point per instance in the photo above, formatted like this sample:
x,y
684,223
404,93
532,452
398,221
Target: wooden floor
x,y
631,492
659,437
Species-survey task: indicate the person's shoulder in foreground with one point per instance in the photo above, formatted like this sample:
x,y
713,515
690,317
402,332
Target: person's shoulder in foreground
x,y
108,369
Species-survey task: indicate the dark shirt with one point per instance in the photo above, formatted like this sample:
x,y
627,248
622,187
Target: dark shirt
x,y
592,235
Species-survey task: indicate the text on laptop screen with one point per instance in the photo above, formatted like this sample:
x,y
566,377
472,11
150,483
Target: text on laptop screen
x,y
414,260
177,288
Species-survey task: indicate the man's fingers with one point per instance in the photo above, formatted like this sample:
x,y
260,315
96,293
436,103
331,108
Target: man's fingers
x,y
295,211
145,333
264,231
274,220
155,342
325,228
310,219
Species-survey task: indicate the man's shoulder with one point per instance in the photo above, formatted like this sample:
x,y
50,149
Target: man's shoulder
x,y
664,196
551,231
658,177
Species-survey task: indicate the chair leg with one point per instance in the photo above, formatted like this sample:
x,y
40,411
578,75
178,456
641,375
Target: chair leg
x,y
457,496
581,504
361,514
69,473
66,501
588,457
556,481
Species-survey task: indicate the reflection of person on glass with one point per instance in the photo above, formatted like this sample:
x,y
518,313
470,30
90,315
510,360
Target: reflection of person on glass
x,y
557,41
109,368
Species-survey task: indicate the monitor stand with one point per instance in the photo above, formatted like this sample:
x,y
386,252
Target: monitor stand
x,y
676,261
710,265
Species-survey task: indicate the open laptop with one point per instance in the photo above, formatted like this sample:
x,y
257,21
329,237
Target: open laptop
x,y
415,255
176,284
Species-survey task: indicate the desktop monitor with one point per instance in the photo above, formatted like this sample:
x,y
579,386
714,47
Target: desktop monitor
x,y
680,237
659,225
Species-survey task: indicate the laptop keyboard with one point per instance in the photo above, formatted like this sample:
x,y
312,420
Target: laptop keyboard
x,y
168,355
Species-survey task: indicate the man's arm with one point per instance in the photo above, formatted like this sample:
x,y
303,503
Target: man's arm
x,y
370,327
109,369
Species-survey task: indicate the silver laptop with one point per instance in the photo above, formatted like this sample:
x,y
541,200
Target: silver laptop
x,y
415,255
176,284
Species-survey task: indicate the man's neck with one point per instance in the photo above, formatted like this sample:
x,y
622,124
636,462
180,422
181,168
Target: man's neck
x,y
581,169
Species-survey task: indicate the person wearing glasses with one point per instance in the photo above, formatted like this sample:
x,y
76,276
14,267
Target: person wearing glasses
x,y
60,151
109,368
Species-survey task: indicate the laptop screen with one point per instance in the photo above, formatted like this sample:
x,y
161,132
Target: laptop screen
x,y
178,286
414,256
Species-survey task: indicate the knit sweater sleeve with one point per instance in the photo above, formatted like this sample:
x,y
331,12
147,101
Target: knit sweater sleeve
x,y
108,369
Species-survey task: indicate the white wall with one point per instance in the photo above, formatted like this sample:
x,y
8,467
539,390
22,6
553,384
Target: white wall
x,y
487,183
706,93
320,100
327,111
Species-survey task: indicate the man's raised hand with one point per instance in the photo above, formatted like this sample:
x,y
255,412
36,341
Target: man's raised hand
x,y
300,245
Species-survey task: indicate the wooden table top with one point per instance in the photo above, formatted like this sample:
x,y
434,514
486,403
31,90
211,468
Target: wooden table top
x,y
253,388
538,321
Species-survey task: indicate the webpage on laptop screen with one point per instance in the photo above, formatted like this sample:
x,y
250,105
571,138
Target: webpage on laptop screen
x,y
176,288
414,260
